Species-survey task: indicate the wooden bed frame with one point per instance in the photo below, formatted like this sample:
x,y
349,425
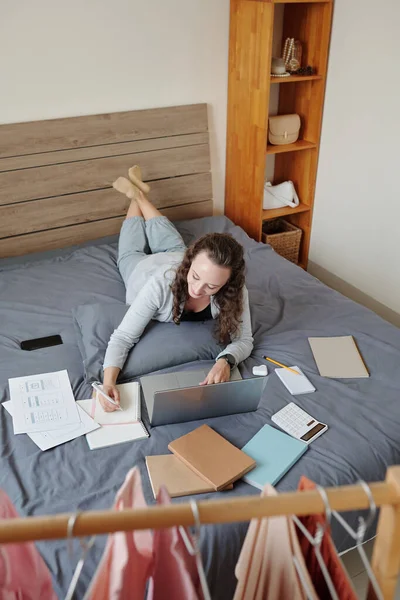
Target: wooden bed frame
x,y
56,175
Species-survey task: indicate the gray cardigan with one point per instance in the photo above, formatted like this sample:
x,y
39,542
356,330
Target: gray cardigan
x,y
150,297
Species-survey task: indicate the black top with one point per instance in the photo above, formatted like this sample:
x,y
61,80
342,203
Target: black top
x,y
202,315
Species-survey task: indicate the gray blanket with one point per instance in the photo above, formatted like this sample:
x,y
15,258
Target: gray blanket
x,y
287,305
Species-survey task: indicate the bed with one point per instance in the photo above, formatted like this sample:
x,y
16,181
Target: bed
x,y
70,204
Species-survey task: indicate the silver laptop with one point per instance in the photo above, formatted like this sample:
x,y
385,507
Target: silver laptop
x,y
178,397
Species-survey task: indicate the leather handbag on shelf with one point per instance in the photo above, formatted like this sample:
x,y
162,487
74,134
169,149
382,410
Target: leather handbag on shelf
x,y
283,129
277,196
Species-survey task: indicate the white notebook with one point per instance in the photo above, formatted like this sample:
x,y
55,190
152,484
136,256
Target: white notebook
x,y
120,425
296,384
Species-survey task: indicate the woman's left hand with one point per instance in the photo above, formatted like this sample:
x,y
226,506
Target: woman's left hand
x,y
220,372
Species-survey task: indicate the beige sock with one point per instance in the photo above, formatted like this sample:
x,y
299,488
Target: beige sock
x,y
135,175
123,185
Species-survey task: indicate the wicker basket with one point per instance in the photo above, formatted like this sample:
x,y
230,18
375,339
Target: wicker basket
x,y
284,237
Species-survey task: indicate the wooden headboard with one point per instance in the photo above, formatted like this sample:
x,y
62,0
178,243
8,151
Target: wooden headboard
x,y
56,175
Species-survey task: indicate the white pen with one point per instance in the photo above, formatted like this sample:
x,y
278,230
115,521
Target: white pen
x,y
96,386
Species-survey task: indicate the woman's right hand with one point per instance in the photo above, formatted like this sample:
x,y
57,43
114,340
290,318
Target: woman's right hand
x,y
112,391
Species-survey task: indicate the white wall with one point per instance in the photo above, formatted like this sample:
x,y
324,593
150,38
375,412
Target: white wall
x,y
356,227
77,57
60,59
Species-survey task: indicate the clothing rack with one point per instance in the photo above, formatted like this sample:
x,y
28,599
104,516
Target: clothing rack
x,y
386,553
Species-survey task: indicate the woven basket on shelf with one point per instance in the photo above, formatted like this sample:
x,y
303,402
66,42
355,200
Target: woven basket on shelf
x,y
284,237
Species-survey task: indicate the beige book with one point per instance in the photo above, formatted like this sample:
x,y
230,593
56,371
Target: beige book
x,y
212,457
168,470
338,357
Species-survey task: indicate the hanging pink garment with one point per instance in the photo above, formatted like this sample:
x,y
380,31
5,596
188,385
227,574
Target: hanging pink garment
x,y
175,575
266,569
127,560
23,572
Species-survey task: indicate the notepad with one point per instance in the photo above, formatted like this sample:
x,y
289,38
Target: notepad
x,y
275,453
179,479
338,357
120,425
296,384
211,456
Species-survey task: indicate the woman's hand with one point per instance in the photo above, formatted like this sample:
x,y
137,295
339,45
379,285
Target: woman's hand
x,y
220,372
109,387
112,391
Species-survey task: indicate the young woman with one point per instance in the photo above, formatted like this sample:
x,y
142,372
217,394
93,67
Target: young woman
x,y
166,281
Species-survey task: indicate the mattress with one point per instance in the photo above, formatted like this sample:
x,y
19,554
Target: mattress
x,y
37,295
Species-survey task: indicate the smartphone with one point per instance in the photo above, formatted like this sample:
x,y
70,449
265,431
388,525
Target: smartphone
x,y
44,342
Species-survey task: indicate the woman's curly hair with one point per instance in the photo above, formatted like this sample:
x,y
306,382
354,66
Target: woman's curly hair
x,y
223,250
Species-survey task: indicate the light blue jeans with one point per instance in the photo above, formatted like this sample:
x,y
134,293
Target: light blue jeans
x,y
138,238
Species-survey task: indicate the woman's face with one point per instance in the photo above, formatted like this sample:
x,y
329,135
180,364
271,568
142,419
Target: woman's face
x,y
205,278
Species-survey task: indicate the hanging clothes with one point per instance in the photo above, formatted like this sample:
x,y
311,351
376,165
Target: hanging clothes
x,y
131,558
175,573
23,573
127,560
337,572
266,569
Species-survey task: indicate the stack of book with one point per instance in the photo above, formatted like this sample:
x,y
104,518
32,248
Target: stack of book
x,y
203,461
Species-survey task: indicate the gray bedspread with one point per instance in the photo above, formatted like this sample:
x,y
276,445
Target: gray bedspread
x,y
287,306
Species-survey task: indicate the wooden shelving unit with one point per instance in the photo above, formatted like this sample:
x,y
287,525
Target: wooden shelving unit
x,y
250,82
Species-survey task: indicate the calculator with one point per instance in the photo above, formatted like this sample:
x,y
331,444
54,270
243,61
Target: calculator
x,y
299,424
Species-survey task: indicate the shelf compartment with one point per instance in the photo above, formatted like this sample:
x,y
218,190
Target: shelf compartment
x,y
296,78
273,213
295,147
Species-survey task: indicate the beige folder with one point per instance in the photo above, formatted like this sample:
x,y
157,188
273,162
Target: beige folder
x,y
168,470
338,357
212,457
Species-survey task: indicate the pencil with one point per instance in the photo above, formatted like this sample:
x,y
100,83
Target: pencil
x,y
280,365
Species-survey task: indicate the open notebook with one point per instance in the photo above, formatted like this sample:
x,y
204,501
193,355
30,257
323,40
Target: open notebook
x,y
119,426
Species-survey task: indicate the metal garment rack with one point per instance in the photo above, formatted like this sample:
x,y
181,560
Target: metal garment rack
x,y
386,554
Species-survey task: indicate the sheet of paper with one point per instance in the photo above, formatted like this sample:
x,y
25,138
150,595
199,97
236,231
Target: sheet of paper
x,y
42,402
49,439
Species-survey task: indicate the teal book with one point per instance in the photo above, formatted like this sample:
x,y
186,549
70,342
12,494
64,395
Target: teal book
x,y
275,453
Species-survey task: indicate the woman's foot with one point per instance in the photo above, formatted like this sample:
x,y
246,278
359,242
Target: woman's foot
x,y
123,185
140,205
135,175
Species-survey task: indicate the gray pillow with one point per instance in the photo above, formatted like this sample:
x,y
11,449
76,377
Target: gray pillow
x,y
162,345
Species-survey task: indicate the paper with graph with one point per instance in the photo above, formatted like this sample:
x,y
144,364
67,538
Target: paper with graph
x,y
42,402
